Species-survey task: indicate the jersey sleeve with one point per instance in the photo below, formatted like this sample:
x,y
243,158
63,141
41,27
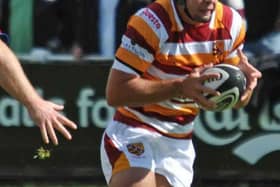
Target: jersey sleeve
x,y
140,42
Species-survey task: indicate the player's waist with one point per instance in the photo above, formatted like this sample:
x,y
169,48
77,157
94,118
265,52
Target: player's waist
x,y
166,128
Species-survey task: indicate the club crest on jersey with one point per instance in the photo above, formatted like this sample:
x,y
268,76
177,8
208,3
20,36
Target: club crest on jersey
x,y
218,50
136,148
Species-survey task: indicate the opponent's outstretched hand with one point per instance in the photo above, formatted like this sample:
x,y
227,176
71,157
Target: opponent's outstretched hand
x,y
44,113
48,118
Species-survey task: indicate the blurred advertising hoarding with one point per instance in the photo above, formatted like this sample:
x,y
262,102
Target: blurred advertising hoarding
x,y
235,143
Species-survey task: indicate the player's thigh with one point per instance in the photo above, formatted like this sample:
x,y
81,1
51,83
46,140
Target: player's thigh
x,y
138,177
161,181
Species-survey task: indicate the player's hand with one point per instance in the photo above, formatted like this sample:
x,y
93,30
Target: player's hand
x,y
194,89
48,118
252,76
245,98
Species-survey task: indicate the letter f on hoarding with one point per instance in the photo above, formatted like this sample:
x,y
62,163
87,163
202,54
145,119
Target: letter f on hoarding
x,y
84,104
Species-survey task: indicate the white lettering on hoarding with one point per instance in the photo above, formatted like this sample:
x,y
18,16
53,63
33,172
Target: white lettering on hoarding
x,y
9,112
90,110
234,126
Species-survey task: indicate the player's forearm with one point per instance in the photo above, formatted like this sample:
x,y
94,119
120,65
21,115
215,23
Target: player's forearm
x,y
138,91
13,79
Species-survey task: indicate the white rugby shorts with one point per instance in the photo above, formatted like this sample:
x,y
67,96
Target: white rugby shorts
x,y
124,146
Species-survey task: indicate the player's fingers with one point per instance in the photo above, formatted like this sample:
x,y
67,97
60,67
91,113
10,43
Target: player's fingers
x,y
244,99
57,106
51,133
59,127
252,84
64,120
198,70
208,65
251,71
209,91
209,77
205,67
257,74
246,96
44,133
204,102
254,72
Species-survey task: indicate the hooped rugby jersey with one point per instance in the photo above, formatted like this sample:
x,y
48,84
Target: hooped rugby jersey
x,y
158,45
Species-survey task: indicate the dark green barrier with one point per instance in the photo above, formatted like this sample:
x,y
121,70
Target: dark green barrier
x,y
80,87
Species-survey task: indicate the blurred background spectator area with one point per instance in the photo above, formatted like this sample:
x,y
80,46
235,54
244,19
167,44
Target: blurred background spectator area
x,y
76,27
57,25
95,27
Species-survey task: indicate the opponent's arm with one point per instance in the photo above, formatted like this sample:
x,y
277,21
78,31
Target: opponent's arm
x,y
12,77
44,113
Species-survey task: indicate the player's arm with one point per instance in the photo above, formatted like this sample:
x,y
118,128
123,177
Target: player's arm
x,y
45,114
12,77
124,89
136,54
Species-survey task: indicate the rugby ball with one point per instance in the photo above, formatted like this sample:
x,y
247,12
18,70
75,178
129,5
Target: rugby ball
x,y
231,84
